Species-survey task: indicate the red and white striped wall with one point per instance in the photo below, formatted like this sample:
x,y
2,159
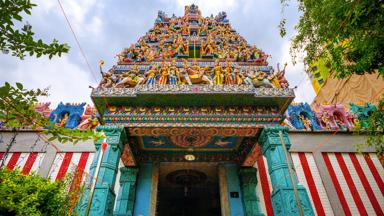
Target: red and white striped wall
x,y
264,186
308,175
78,164
74,163
358,180
26,162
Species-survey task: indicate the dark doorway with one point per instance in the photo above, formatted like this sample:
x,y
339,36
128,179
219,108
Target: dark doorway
x,y
188,193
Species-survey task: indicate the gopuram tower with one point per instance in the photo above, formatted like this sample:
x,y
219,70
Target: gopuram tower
x,y
187,111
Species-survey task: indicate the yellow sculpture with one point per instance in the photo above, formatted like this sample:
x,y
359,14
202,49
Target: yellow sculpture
x,y
63,121
164,71
228,74
218,76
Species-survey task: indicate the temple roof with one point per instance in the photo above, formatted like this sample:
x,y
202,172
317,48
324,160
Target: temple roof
x,y
192,60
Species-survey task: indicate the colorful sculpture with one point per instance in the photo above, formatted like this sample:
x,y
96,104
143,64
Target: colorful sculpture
x,y
362,113
220,56
43,109
67,115
333,117
302,117
89,119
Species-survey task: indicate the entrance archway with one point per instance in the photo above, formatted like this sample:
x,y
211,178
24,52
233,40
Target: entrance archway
x,y
188,190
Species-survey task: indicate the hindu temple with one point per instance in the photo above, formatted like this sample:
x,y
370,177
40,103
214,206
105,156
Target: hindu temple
x,y
197,123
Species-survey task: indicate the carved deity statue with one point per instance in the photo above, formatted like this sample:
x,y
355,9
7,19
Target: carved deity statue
x,y
164,73
151,75
273,79
306,122
173,74
281,76
63,121
130,78
228,79
218,76
196,74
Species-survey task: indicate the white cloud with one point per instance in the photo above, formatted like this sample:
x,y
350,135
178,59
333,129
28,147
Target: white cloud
x,y
305,92
296,76
83,15
95,27
67,81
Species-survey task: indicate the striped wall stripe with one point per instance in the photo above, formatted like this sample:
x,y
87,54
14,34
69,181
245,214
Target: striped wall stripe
x,y
308,175
367,187
354,175
351,185
73,163
13,160
264,186
374,170
78,177
376,188
29,163
26,162
336,183
64,166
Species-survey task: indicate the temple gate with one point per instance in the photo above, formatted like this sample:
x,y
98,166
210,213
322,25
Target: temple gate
x,y
187,111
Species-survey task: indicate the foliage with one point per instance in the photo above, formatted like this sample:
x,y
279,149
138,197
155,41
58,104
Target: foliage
x,y
17,111
32,195
348,34
376,130
20,40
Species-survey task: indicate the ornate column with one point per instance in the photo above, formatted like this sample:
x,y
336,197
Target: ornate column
x,y
126,195
248,181
104,196
288,198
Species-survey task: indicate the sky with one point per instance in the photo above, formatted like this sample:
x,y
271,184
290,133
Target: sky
x,y
105,28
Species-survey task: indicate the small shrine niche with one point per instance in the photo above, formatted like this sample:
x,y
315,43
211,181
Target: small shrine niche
x,y
333,117
302,117
67,115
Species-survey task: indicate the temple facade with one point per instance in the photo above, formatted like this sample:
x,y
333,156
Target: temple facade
x,y
198,123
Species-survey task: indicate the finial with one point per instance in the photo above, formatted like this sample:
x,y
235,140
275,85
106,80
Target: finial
x,y
101,63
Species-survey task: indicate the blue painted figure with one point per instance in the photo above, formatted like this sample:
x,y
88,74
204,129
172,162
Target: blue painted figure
x,y
67,115
151,74
173,74
302,117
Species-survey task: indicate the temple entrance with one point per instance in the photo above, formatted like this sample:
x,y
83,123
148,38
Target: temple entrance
x,y
188,190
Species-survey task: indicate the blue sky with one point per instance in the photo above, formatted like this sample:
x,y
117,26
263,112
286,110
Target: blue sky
x,y
104,28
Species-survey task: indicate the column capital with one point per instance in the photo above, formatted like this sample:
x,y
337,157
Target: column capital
x,y
269,137
128,174
248,175
115,136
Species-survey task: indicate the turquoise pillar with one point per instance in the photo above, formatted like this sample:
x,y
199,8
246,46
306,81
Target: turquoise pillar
x,y
146,190
235,203
126,195
104,197
283,194
248,180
